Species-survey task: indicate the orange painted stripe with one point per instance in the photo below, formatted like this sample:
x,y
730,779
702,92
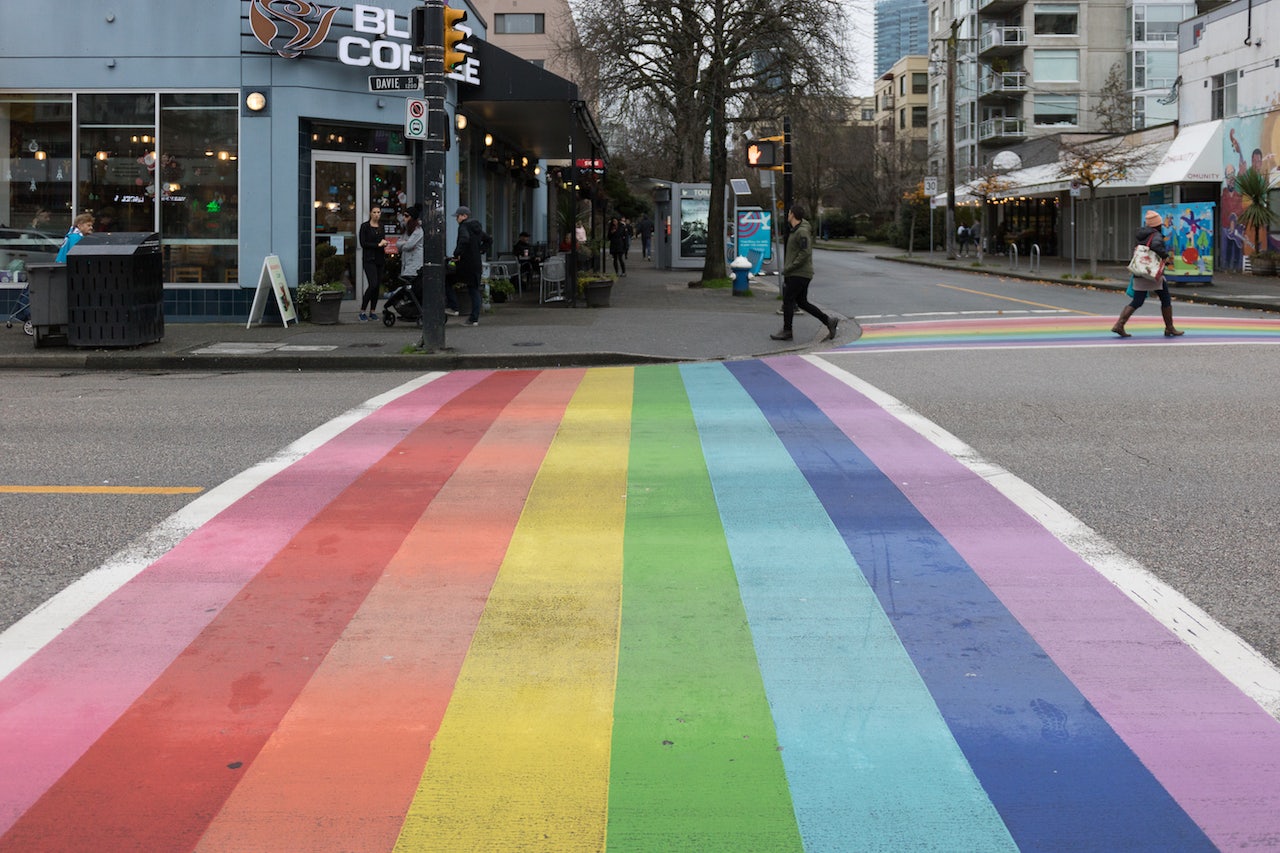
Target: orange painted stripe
x,y
101,490
340,771
160,774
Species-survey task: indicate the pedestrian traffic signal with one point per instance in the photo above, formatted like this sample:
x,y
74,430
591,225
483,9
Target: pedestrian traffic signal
x,y
455,37
762,153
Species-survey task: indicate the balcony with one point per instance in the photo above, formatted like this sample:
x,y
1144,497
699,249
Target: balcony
x,y
1002,41
1007,84
1000,131
992,7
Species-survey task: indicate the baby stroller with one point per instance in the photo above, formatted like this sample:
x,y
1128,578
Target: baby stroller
x,y
405,302
22,313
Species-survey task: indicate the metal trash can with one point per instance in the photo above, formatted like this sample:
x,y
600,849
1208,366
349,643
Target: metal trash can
x,y
115,290
47,289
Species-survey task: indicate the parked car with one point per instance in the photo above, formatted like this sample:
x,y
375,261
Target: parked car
x,y
22,246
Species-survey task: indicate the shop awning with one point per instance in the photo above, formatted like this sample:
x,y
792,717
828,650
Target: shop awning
x,y
1195,155
529,108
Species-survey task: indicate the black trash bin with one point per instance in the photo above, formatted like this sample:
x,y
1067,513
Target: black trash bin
x,y
115,290
47,288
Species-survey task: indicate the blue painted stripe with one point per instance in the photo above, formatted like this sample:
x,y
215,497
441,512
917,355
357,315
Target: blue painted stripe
x,y
869,760
1058,774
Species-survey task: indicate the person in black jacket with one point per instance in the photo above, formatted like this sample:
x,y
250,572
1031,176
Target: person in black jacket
x,y
619,241
1150,235
468,254
373,243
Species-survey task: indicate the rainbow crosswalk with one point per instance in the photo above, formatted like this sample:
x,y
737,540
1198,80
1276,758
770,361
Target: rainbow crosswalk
x,y
737,606
1005,331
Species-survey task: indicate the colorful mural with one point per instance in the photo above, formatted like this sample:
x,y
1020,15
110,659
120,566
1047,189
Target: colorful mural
x,y
1188,232
1249,141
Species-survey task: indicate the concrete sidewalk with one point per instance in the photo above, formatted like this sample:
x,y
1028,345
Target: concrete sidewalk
x,y
654,316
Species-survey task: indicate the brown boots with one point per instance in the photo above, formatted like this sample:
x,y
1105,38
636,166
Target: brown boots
x,y
1118,328
1166,311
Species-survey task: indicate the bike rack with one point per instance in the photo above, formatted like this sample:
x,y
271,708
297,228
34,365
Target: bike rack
x,y
1033,259
1013,256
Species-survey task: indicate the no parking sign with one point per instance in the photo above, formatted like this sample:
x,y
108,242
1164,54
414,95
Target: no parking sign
x,y
415,122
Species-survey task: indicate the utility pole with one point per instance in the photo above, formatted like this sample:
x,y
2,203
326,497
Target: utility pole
x,y
787,198
429,26
950,224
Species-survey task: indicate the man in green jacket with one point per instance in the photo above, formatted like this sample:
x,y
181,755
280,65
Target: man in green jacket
x,y
797,271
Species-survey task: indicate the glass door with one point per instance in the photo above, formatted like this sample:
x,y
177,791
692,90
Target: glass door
x,y
344,187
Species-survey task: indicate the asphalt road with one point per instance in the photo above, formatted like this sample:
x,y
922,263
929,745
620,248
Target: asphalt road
x,y
1164,451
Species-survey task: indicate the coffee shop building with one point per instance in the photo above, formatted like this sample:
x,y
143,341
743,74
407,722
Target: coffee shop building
x,y
245,129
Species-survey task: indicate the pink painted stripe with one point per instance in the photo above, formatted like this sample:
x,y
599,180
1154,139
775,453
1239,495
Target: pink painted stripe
x,y
77,678
1213,748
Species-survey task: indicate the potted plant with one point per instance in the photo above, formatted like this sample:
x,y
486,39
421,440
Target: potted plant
x,y
596,288
319,303
499,289
1255,188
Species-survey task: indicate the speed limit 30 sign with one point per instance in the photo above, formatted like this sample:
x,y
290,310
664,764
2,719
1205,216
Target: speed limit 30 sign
x,y
415,121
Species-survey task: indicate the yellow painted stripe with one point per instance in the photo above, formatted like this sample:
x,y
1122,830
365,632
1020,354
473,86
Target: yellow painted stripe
x,y
1019,301
521,760
100,490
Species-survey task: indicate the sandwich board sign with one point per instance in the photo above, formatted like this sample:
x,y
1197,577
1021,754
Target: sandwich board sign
x,y
272,278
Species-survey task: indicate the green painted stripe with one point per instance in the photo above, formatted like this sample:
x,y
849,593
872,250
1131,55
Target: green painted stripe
x,y
695,758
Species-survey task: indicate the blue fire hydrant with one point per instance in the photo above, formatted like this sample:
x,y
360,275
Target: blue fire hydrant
x,y
741,275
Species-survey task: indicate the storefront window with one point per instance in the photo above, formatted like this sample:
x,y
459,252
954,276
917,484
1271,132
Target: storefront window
x,y
117,157
196,180
35,190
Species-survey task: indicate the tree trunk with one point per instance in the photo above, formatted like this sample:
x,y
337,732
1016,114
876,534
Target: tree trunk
x,y
1094,228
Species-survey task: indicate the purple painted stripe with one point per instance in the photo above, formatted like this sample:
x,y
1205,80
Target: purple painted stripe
x,y
1213,748
76,678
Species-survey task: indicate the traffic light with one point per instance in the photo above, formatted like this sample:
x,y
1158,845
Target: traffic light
x,y
761,154
455,36
765,153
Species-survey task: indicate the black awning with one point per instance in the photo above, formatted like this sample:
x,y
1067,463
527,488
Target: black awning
x,y
529,107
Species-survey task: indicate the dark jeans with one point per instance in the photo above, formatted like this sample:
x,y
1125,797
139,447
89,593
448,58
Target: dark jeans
x,y
795,293
1140,296
619,263
372,287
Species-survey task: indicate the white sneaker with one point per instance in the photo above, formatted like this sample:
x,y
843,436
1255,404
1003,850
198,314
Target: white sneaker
x,y
472,323
451,312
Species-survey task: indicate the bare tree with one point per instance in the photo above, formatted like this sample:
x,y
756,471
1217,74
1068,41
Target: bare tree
x,y
1093,163
698,64
1115,104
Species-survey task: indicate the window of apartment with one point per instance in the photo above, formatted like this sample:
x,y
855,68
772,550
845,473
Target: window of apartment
x,y
518,24
1056,66
902,85
1223,94
934,96
1057,19
868,114
919,116
1056,111
902,119
919,83
1159,22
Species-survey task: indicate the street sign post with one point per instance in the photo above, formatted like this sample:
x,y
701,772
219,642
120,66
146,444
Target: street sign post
x,y
395,83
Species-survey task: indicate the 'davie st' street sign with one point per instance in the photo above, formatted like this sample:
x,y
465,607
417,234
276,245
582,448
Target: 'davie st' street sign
x,y
396,83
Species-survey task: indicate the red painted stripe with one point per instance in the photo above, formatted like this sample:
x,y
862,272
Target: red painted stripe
x,y
160,774
340,771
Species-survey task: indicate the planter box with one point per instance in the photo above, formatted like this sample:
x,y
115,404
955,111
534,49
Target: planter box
x,y
325,307
597,293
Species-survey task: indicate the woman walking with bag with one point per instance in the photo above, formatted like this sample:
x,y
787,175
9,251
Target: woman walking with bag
x,y
1151,236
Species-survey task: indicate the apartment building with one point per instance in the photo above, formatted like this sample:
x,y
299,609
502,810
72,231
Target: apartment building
x,y
537,31
902,29
1026,70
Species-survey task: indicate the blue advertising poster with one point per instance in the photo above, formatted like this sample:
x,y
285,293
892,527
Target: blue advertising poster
x,y
1188,232
755,232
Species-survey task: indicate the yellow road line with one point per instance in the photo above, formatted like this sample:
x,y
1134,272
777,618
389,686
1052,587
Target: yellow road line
x,y
101,490
521,758
1019,301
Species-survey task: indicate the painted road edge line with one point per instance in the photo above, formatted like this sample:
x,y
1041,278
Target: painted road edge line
x,y
1238,661
35,630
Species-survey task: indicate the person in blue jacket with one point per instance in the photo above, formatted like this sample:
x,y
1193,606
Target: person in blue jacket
x,y
83,225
